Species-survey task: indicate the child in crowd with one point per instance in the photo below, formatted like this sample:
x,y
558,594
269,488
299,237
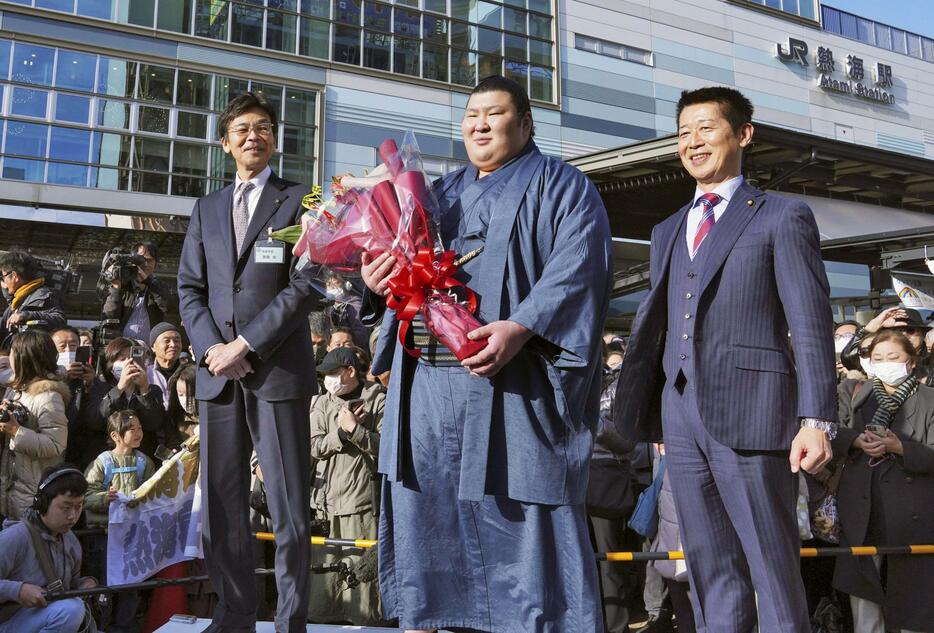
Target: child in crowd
x,y
121,469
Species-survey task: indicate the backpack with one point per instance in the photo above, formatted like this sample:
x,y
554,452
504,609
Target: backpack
x,y
110,468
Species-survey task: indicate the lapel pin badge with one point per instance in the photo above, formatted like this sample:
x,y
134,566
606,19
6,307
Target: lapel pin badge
x,y
749,202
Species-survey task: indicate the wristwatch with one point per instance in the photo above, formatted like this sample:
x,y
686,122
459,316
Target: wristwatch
x,y
830,428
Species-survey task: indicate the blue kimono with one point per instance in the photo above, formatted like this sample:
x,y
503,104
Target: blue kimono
x,y
483,525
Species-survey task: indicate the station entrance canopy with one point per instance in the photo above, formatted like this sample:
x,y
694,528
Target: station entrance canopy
x,y
866,201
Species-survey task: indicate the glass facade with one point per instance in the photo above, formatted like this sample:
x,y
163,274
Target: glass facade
x,y
877,34
802,8
75,118
452,41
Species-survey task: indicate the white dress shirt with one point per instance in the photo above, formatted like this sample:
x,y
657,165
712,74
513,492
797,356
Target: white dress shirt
x,y
252,196
726,191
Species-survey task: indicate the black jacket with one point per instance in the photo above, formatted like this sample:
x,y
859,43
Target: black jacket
x,y
42,304
120,301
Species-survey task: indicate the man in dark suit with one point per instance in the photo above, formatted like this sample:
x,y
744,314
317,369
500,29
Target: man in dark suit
x,y
709,364
245,308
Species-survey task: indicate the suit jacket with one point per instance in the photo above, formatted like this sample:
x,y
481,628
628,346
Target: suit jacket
x,y
224,294
763,277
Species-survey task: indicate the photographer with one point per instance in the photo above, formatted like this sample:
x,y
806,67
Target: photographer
x,y
141,301
85,424
28,298
24,571
33,426
345,427
130,389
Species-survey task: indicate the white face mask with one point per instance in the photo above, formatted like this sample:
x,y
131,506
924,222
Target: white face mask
x,y
335,294
183,400
66,358
335,385
866,364
117,369
840,343
892,374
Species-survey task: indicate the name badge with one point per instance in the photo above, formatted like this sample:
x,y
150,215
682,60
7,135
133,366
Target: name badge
x,y
269,252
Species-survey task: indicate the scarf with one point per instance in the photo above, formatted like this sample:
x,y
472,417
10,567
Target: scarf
x,y
890,404
24,291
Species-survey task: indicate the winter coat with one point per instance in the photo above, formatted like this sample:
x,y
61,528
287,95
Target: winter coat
x,y
905,488
157,427
159,301
95,501
38,444
42,304
345,464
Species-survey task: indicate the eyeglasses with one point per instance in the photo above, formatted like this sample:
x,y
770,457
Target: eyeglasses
x,y
263,128
7,274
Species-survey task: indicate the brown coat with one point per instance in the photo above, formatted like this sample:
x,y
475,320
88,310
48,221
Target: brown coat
x,y
38,444
907,491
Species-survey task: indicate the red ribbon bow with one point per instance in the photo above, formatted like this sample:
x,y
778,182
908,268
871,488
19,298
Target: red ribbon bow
x,y
412,286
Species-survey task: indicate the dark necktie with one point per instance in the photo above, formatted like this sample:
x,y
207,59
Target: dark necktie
x,y
707,201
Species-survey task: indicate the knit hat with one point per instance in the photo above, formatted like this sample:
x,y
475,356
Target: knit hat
x,y
159,330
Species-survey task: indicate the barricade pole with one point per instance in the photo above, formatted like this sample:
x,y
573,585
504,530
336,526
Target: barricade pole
x,y
806,552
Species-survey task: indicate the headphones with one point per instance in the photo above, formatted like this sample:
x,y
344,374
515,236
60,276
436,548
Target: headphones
x,y
41,501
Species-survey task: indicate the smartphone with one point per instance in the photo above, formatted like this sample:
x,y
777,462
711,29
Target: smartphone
x,y
355,404
138,355
83,355
879,430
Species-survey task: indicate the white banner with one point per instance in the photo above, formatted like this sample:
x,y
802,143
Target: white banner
x,y
914,290
157,525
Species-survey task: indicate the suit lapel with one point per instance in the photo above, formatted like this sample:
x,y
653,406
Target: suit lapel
x,y
669,244
225,221
744,205
269,202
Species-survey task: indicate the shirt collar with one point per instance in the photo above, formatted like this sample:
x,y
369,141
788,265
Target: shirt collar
x,y
258,181
725,190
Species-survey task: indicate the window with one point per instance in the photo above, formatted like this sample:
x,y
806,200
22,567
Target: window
x,y
450,41
607,49
876,34
800,8
103,122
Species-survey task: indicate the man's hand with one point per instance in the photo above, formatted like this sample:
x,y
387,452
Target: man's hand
x,y
87,583
810,450
893,444
83,372
17,318
31,596
504,339
376,272
229,360
348,420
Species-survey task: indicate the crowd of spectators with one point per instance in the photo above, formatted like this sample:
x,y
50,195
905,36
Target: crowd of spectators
x,y
114,406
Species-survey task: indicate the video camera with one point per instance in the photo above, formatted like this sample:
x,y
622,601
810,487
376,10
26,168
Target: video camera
x,y
118,266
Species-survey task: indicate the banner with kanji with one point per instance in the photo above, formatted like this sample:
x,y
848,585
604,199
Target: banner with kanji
x,y
157,525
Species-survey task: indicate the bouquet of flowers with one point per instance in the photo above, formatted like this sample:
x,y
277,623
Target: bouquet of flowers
x,y
392,209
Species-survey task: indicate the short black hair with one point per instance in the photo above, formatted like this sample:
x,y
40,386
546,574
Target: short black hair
x,y
120,422
520,98
734,105
239,105
148,245
856,324
73,484
20,262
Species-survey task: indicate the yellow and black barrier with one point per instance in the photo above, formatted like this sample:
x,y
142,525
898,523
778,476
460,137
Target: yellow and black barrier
x,y
625,557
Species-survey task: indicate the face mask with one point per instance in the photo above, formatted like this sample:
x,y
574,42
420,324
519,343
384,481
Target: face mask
x,y
335,385
117,369
335,294
185,402
892,374
66,358
6,375
840,343
866,364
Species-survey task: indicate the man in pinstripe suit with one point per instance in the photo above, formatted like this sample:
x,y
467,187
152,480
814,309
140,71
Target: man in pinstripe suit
x,y
709,365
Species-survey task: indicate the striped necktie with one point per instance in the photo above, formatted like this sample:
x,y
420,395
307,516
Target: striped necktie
x,y
241,213
707,201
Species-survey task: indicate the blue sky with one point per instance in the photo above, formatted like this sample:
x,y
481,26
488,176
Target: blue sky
x,y
912,15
